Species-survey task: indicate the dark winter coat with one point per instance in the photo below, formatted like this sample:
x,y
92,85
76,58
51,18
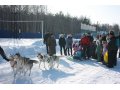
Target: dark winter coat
x,y
46,36
99,51
112,44
62,41
51,45
93,49
90,38
103,39
112,52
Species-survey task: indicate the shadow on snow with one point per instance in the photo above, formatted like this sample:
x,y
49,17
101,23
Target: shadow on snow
x,y
23,80
54,74
64,63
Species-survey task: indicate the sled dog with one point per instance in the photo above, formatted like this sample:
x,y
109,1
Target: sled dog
x,y
16,68
52,60
43,59
24,63
13,63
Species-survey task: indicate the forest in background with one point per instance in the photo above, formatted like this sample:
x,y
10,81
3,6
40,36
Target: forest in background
x,y
55,23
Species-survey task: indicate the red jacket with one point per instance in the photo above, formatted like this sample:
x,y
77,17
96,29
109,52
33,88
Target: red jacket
x,y
85,41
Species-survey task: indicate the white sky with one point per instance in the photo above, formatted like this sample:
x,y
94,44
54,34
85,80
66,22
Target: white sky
x,y
103,11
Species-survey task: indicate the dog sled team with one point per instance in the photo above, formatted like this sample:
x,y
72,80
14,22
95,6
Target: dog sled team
x,y
23,65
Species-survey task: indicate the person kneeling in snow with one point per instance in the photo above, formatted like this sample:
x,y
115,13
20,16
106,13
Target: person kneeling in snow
x,y
77,50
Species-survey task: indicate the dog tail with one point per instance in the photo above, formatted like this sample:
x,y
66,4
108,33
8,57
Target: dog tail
x,y
2,53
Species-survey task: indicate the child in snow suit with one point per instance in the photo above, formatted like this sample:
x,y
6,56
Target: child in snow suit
x,y
77,51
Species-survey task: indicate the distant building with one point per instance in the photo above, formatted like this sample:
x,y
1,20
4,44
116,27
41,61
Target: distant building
x,y
88,28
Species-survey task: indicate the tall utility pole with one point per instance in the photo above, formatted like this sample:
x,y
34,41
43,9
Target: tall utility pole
x,y
97,27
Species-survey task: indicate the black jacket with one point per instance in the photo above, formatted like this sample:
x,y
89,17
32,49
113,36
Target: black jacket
x,y
62,41
91,38
112,44
46,36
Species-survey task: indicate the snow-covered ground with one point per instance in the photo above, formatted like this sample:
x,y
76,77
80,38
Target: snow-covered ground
x,y
69,72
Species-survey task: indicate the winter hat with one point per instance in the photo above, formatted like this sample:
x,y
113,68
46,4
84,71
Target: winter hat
x,y
111,33
88,33
62,35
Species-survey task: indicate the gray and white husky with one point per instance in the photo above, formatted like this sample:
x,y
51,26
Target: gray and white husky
x,y
13,63
54,60
22,63
43,59
51,60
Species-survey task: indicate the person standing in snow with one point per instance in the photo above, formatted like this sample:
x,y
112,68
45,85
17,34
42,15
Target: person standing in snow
x,y
46,36
118,43
69,42
62,43
85,42
51,45
91,39
112,51
92,49
98,48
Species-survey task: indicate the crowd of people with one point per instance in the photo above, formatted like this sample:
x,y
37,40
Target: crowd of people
x,y
103,48
64,43
107,46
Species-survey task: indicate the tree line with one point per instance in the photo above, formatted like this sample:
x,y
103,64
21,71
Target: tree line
x,y
56,23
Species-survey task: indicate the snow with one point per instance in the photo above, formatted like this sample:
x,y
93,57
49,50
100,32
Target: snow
x,y
69,72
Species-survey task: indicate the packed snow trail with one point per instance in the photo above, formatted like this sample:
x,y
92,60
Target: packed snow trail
x,y
69,71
